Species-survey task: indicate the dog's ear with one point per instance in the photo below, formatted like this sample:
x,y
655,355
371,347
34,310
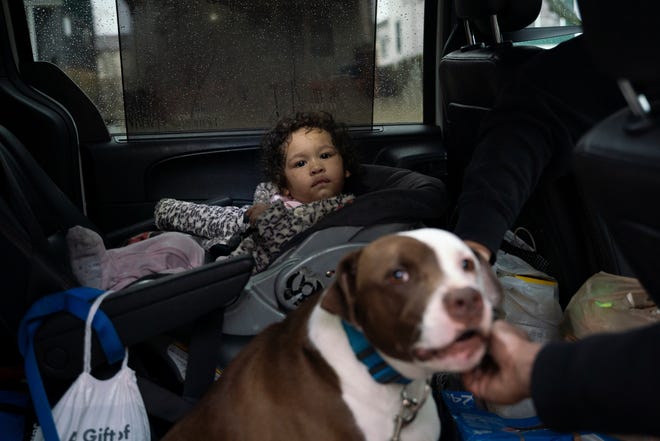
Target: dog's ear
x,y
339,298
492,286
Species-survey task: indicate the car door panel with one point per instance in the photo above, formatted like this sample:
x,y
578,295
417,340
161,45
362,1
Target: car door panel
x,y
125,178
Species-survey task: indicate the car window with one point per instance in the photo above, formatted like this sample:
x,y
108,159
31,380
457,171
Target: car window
x,y
559,20
558,13
399,47
154,66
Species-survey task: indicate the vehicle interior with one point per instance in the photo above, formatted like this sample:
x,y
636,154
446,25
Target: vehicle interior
x,y
107,106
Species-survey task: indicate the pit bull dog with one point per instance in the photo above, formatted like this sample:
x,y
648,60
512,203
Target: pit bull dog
x,y
354,363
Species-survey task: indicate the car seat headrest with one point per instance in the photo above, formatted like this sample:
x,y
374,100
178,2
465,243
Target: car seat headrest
x,y
512,15
623,38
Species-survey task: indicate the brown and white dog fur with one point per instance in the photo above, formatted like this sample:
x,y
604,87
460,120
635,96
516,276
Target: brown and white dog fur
x,y
422,298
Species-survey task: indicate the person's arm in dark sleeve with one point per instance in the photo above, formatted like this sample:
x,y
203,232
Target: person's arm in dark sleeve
x,y
530,133
606,383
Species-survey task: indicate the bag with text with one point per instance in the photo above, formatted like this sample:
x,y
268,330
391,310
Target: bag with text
x,y
96,409
474,423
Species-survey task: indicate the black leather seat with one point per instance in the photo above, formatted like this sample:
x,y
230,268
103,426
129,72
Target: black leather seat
x,y
472,75
618,161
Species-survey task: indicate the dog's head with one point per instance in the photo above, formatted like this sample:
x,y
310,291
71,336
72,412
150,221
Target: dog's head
x,y
422,298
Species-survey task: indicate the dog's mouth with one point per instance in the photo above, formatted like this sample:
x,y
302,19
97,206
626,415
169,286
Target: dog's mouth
x,y
465,344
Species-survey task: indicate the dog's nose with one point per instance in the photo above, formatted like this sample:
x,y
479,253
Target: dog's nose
x,y
464,304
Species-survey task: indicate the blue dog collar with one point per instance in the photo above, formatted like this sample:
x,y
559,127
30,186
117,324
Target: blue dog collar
x,y
365,352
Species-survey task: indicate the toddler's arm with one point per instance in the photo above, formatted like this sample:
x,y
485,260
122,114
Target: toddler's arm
x,y
209,221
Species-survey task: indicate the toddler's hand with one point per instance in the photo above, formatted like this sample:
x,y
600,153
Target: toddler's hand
x,y
255,211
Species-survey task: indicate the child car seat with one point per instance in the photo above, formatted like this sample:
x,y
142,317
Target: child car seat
x,y
387,200
34,215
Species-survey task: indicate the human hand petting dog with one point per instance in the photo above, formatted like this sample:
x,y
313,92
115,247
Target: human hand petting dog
x,y
509,380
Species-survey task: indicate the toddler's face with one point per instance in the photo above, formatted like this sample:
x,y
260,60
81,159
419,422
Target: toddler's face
x,y
313,167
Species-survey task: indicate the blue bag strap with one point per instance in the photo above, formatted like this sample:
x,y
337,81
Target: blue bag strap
x,y
76,301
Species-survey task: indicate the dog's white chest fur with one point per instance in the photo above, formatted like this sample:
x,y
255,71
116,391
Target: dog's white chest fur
x,y
374,405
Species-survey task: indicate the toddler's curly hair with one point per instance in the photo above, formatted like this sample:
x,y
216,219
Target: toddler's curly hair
x,y
275,141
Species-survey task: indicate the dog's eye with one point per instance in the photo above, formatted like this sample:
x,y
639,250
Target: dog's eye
x,y
467,265
398,276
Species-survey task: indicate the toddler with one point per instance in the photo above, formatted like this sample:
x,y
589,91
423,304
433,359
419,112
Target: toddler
x,y
306,160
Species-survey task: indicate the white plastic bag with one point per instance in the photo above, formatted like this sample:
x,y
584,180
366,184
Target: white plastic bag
x,y
531,297
93,409
530,302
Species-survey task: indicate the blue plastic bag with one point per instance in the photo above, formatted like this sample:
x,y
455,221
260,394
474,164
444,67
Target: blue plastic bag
x,y
475,424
